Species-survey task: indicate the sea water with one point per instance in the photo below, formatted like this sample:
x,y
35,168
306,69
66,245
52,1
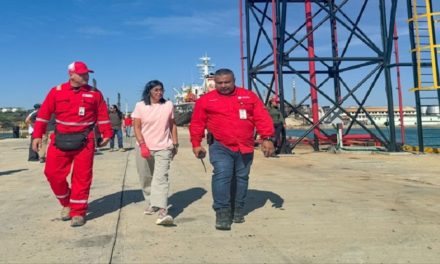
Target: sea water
x,y
431,135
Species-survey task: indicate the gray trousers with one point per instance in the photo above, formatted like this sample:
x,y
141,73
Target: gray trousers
x,y
153,176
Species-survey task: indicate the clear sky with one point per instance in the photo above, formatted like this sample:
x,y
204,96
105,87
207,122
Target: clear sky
x,y
126,42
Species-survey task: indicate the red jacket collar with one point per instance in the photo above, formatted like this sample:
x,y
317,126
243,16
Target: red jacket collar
x,y
85,88
231,94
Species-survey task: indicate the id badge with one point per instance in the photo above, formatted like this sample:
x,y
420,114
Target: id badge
x,y
82,111
243,114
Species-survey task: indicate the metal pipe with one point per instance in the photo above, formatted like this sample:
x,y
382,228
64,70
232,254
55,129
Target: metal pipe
x,y
312,76
415,77
376,59
387,42
335,53
275,47
434,38
281,33
248,47
399,84
240,3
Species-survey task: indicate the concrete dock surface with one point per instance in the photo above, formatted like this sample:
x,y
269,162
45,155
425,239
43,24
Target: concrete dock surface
x,y
312,207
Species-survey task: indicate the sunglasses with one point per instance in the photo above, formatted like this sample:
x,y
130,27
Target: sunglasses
x,y
157,90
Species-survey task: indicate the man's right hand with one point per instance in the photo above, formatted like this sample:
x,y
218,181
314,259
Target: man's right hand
x,y
197,151
103,142
267,148
36,144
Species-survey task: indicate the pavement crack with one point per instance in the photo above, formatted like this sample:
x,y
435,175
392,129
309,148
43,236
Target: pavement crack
x,y
120,204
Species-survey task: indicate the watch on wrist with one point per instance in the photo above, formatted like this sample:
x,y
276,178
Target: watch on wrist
x,y
176,145
272,139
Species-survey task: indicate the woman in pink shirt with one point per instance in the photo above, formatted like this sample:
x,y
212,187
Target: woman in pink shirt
x,y
157,143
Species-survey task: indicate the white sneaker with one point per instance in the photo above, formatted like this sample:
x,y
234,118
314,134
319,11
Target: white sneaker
x,y
151,210
164,218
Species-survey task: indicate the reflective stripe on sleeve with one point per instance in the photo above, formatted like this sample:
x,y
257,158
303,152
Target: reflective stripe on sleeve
x,y
78,201
42,120
74,123
103,122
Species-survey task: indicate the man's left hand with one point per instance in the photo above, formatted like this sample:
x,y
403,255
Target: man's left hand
x,y
174,151
104,142
267,148
36,144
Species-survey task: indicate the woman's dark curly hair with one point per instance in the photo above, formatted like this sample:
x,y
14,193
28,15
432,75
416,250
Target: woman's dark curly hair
x,y
146,93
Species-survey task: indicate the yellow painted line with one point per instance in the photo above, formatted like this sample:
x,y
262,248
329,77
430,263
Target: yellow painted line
x,y
419,17
426,47
417,43
432,46
409,148
432,42
426,88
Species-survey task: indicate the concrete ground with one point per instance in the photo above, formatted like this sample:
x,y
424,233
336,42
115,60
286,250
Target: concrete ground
x,y
307,208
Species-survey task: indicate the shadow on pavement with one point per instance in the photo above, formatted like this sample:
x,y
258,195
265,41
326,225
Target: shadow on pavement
x,y
256,199
9,172
129,148
181,200
112,202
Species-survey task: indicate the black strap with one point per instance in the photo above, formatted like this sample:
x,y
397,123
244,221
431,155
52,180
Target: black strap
x,y
85,132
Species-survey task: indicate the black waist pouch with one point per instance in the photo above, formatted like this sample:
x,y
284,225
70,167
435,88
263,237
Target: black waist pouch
x,y
71,141
209,138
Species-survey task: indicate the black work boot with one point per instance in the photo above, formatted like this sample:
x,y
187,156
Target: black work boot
x,y
223,219
238,215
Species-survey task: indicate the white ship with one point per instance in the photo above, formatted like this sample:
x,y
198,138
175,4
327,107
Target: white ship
x,y
185,98
430,115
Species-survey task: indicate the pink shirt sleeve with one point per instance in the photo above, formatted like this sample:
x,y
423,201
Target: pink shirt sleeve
x,y
136,113
155,124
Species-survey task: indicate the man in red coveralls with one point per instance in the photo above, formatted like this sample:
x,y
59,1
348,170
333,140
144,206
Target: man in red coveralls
x,y
77,108
128,124
230,114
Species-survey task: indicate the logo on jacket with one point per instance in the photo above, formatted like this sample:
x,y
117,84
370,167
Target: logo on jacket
x,y
88,95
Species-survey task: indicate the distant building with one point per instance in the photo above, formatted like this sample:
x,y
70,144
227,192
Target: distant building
x,y
12,109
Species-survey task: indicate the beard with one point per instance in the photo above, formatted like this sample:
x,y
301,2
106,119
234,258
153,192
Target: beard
x,y
226,91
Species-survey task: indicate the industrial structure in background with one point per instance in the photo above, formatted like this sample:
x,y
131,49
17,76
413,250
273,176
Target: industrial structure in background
x,y
118,102
425,50
330,50
185,97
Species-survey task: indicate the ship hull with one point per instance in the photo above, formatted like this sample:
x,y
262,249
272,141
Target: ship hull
x,y
183,113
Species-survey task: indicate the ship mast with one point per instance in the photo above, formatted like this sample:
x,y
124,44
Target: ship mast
x,y
205,66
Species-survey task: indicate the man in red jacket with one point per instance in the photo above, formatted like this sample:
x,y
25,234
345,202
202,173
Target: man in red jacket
x,y
128,124
230,114
77,107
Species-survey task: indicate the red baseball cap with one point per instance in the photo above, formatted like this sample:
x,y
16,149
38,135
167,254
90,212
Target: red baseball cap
x,y
78,67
